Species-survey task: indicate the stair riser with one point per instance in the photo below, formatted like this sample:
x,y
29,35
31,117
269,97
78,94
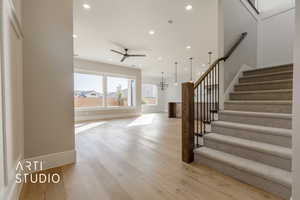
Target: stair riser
x,y
257,120
282,108
262,96
246,177
279,140
269,70
267,78
262,157
267,86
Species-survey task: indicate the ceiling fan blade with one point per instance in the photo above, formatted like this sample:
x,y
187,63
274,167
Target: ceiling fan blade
x,y
124,58
118,52
133,55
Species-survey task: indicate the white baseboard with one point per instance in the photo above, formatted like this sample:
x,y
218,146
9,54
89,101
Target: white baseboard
x,y
56,159
105,116
13,189
235,80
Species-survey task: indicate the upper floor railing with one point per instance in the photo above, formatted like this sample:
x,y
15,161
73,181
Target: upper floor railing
x,y
255,5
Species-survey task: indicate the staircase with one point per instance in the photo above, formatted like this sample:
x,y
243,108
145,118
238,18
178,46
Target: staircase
x,y
252,139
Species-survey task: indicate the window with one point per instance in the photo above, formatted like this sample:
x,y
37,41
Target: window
x,y
92,90
120,91
149,94
88,90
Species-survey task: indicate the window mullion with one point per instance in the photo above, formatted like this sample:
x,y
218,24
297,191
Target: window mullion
x,y
105,90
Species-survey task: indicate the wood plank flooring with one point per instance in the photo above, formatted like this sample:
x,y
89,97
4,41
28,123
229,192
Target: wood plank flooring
x,y
137,159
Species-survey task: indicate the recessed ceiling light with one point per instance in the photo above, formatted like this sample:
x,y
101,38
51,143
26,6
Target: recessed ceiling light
x,y
189,7
188,47
203,65
75,36
86,6
151,32
159,58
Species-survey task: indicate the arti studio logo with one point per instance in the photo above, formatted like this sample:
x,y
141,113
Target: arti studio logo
x,y
32,172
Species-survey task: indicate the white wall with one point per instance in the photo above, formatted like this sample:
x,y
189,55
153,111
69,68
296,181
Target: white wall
x,y
296,110
48,80
11,127
160,107
91,66
238,19
276,38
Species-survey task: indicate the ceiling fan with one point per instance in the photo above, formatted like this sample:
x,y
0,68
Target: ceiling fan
x,y
126,55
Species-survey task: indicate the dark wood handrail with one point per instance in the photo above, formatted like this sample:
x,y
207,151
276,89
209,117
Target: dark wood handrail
x,y
230,52
253,6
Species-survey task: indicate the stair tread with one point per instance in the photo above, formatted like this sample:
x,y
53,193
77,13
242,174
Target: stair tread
x,y
275,150
277,175
266,74
258,102
258,114
265,82
262,91
270,67
263,129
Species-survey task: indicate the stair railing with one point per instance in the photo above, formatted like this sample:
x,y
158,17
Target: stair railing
x,y
200,104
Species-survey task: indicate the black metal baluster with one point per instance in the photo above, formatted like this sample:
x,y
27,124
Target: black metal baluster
x,y
201,122
197,118
215,89
210,96
207,100
213,93
218,87
205,115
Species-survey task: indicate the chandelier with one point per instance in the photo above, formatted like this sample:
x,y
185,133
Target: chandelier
x,y
163,85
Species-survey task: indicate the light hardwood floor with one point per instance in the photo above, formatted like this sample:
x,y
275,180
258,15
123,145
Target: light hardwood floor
x,y
137,159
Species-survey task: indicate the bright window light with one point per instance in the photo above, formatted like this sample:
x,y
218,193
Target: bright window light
x,y
143,120
85,127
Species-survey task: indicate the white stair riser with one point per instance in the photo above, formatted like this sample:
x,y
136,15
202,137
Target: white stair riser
x,y
269,70
262,96
279,140
246,177
250,154
266,86
257,120
273,108
288,75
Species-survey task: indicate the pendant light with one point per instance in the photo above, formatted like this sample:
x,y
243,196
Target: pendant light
x,y
176,74
191,70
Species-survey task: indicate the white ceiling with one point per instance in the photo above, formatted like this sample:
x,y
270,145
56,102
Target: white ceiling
x,y
111,24
268,5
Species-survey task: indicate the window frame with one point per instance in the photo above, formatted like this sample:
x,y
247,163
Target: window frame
x,y
157,89
104,83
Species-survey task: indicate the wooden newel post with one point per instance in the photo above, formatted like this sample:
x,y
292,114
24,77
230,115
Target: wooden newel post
x,y
188,122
